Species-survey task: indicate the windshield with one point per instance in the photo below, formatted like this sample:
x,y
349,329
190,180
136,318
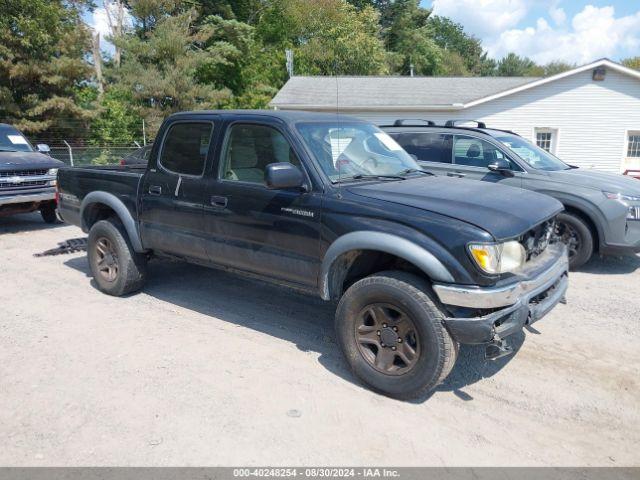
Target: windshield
x,y
352,150
535,156
11,140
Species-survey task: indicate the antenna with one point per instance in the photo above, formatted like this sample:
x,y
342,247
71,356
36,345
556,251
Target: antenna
x,y
338,162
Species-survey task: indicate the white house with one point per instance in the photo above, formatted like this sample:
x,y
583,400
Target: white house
x,y
588,116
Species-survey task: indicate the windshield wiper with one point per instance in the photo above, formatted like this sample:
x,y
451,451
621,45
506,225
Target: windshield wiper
x,y
415,170
360,176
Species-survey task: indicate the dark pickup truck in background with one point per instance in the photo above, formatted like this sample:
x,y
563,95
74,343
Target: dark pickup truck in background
x,y
331,205
27,176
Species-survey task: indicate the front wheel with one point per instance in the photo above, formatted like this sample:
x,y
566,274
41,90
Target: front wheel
x,y
49,214
116,267
392,334
577,236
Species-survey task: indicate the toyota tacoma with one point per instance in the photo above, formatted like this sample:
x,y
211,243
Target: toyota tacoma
x,y
416,263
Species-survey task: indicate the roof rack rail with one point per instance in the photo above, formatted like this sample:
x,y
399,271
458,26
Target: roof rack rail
x,y
406,122
452,123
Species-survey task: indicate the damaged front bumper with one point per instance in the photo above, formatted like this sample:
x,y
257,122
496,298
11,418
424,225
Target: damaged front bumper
x,y
491,314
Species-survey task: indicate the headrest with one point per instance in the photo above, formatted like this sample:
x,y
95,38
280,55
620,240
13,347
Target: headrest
x,y
473,151
243,156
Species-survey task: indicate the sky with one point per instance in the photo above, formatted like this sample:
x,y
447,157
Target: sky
x,y
573,31
546,30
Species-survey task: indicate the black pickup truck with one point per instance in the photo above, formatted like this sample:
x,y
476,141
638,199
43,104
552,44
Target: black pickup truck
x,y
331,205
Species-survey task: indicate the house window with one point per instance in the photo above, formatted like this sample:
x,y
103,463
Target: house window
x,y
633,146
546,139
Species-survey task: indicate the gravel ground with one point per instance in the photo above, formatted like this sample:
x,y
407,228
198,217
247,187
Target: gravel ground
x,y
204,368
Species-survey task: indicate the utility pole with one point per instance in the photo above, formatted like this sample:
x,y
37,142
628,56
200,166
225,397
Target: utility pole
x,y
289,54
97,63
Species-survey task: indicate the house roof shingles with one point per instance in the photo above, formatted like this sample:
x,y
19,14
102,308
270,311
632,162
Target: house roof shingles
x,y
354,92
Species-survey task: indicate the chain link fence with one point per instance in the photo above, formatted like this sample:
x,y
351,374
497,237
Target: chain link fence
x,y
71,142
92,155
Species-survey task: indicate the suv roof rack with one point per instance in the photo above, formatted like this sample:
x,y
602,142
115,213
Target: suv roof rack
x,y
449,124
452,123
411,122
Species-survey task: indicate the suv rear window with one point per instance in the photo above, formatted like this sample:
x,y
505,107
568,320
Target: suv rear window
x,y
427,147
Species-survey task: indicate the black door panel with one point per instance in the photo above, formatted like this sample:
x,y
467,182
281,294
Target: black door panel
x,y
250,227
172,196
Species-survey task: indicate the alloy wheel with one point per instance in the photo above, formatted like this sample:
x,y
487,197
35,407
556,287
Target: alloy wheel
x,y
106,259
387,338
570,237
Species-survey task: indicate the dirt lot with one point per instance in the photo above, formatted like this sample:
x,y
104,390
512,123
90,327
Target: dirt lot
x,y
204,368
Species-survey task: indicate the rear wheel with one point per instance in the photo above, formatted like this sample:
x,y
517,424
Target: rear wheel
x,y
577,236
116,267
392,334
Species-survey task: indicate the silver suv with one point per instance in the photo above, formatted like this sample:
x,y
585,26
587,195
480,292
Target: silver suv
x,y
602,210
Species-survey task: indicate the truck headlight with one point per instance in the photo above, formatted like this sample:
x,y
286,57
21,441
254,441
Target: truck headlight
x,y
498,257
53,171
621,197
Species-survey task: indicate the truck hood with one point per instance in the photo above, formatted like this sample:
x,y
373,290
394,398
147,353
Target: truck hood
x,y
610,182
504,212
27,161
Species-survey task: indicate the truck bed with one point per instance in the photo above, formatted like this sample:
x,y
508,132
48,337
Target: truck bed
x,y
75,183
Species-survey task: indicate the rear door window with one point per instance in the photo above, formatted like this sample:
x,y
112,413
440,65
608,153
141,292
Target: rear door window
x,y
426,147
185,148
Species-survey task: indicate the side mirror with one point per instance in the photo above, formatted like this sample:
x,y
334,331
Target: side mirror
x,y
43,148
283,175
501,166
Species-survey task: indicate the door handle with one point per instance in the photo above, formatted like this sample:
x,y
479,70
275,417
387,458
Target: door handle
x,y
218,202
456,174
155,190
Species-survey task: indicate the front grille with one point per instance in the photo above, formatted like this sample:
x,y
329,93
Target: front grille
x,y
536,240
23,173
17,186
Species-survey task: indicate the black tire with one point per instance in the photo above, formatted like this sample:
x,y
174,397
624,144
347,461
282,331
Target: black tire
x,y
577,235
130,267
435,350
49,214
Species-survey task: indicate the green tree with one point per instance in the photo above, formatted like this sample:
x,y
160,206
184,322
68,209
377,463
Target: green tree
x,y
632,62
327,36
43,49
164,69
409,38
246,11
513,65
451,37
116,122
231,47
556,67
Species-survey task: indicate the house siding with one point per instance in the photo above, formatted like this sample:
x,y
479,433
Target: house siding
x,y
592,118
